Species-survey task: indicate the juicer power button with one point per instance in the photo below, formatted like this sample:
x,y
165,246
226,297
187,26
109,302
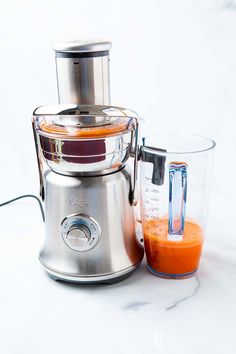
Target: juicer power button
x,y
80,232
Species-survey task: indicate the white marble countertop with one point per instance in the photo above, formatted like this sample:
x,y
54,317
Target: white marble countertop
x,y
142,314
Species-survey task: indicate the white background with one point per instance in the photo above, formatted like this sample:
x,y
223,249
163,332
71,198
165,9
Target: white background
x,y
172,61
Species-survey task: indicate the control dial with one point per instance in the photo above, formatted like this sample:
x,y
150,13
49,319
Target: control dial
x,y
80,232
78,235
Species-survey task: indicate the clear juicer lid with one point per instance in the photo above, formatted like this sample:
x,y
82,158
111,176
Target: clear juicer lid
x,y
83,121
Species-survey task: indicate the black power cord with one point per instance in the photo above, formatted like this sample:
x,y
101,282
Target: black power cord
x,y
27,196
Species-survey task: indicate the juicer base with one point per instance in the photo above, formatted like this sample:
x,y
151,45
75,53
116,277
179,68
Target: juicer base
x,y
171,276
111,278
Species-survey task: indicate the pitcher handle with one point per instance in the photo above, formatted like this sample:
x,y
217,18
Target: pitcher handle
x,y
177,200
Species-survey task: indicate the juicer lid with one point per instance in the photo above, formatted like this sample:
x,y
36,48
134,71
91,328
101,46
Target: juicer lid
x,y
82,46
83,121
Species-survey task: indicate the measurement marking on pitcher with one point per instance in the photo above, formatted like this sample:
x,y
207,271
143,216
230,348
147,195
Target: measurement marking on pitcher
x,y
155,200
156,191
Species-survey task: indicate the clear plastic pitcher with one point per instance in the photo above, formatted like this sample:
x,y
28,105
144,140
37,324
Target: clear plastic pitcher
x,y
175,185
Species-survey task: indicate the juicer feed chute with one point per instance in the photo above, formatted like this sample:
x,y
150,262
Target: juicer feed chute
x,y
83,72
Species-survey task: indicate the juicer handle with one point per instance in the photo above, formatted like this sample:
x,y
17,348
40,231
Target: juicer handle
x,y
177,200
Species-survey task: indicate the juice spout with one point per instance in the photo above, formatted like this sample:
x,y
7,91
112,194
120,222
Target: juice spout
x,y
157,160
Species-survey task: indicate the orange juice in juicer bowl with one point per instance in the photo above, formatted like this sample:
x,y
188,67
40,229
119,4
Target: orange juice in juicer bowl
x,y
175,181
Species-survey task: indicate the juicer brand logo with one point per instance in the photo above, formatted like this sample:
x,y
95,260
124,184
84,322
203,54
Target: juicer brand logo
x,y
79,202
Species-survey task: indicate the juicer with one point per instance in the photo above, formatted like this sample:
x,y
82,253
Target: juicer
x,y
84,148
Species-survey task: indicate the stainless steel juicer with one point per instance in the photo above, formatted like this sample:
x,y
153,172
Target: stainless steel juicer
x,y
83,146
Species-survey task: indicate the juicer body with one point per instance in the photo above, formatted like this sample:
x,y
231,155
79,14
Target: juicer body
x,y
87,187
90,228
